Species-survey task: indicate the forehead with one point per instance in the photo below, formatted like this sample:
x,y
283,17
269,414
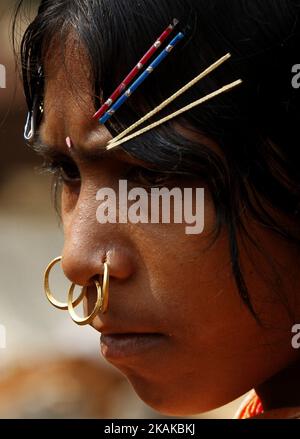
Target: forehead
x,y
69,96
69,100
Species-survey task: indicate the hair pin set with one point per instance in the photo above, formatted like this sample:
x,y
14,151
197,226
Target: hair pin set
x,y
117,99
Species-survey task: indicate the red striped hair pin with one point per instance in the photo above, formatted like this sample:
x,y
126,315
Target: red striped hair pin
x,y
136,70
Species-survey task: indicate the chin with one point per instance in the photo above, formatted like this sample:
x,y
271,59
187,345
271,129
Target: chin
x,y
172,401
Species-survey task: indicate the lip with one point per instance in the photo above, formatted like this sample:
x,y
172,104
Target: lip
x,y
117,346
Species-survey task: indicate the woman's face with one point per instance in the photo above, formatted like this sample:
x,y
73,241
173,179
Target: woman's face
x,y
198,346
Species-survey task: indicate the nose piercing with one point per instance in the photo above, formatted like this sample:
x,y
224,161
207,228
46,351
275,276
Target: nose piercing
x,y
102,296
101,303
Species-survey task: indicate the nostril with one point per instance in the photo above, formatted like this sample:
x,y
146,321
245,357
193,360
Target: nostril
x,y
83,269
91,282
120,262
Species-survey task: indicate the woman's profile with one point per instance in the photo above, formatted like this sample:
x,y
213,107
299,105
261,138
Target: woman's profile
x,y
193,320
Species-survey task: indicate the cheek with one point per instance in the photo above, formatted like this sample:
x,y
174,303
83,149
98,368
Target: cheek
x,y
195,291
186,272
190,281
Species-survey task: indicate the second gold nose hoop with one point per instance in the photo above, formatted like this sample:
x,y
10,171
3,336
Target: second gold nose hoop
x,y
101,302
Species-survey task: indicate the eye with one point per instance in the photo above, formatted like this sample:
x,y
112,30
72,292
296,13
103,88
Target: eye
x,y
64,169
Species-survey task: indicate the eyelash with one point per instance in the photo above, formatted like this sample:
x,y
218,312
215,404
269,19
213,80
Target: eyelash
x,y
64,170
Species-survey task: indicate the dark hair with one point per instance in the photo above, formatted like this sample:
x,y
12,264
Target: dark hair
x,y
256,126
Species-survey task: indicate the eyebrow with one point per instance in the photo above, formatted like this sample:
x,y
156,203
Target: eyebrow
x,y
50,150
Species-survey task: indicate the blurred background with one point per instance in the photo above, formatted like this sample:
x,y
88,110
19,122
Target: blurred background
x,y
49,367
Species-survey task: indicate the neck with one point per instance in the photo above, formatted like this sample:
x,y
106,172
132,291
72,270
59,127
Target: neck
x,y
281,390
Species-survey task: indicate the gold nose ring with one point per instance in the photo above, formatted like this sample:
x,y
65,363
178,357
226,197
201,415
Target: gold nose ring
x,y
102,296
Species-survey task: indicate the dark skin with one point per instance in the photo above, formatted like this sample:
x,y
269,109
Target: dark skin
x,y
164,281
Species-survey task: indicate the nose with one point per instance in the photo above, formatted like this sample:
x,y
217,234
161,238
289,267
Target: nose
x,y
89,244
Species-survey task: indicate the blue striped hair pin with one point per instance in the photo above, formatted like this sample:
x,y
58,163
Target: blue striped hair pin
x,y
158,60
